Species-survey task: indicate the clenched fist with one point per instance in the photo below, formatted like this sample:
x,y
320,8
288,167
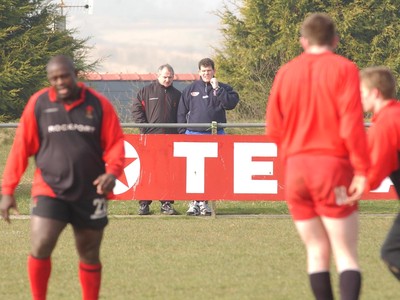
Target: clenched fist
x,y
214,83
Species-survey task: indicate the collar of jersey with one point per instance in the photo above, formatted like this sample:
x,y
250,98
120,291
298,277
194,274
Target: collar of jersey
x,y
378,114
53,97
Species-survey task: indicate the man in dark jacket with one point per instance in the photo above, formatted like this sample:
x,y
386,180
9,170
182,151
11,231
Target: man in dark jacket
x,y
204,101
157,103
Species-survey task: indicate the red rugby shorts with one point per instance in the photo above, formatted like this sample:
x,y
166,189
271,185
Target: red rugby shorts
x,y
313,184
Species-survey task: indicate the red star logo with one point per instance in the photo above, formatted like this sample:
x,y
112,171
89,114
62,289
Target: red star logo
x,y
122,177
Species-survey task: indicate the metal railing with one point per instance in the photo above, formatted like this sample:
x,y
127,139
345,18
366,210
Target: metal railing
x,y
179,125
193,125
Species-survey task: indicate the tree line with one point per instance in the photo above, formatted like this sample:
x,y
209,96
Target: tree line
x,y
261,35
28,38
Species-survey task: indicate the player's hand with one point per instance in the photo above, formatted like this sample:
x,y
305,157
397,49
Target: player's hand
x,y
7,203
104,183
214,83
356,189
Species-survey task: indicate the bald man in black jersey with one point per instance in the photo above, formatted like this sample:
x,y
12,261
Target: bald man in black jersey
x,y
76,138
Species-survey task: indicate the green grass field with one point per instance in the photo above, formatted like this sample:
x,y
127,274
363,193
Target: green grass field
x,y
249,251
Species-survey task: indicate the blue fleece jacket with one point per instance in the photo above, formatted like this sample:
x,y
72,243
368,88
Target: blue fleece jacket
x,y
200,103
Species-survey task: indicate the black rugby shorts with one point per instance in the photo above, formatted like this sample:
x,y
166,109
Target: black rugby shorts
x,y
90,213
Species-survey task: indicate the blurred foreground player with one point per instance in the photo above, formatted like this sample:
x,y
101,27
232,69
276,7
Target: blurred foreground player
x,y
76,138
314,115
378,92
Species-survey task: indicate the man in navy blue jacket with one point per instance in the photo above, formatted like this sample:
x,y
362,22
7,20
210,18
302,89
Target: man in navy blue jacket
x,y
204,101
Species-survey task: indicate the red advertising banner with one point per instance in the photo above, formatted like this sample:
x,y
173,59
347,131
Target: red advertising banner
x,y
207,167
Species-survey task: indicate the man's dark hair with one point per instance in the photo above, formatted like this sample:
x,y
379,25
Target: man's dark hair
x,y
319,29
206,62
62,59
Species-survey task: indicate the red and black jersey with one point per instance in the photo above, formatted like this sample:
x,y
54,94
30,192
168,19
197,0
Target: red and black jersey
x,y
315,108
72,143
384,146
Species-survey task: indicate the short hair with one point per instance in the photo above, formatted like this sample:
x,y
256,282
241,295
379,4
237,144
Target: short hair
x,y
168,66
319,29
63,60
380,78
206,62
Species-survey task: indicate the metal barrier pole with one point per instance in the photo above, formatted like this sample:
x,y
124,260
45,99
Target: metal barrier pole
x,y
214,130
214,127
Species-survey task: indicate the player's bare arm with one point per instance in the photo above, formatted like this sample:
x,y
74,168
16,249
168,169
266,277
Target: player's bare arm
x,y
7,202
105,183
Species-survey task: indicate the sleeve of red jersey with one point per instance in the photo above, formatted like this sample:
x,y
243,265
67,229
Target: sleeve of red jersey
x,y
112,140
383,152
26,144
273,118
352,129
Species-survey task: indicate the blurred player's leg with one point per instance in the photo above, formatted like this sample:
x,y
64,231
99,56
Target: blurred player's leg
x,y
39,273
44,236
315,238
321,285
390,252
90,279
343,234
88,243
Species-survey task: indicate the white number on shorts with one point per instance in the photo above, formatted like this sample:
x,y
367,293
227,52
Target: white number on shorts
x,y
340,194
101,208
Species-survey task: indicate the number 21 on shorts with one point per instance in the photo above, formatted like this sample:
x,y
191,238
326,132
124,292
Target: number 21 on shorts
x,y
100,205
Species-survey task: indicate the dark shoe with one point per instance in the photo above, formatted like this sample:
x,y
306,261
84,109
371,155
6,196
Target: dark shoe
x,y
167,209
144,209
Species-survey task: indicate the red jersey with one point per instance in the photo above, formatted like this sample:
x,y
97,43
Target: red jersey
x,y
384,145
72,143
315,108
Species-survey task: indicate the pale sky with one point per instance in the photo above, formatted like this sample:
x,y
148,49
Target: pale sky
x,y
137,36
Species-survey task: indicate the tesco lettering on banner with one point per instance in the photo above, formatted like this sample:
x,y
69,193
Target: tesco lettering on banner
x,y
195,154
244,167
206,167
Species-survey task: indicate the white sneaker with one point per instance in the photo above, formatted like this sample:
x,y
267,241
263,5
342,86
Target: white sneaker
x,y
194,209
205,210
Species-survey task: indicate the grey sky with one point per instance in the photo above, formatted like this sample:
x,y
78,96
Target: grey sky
x,y
138,36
